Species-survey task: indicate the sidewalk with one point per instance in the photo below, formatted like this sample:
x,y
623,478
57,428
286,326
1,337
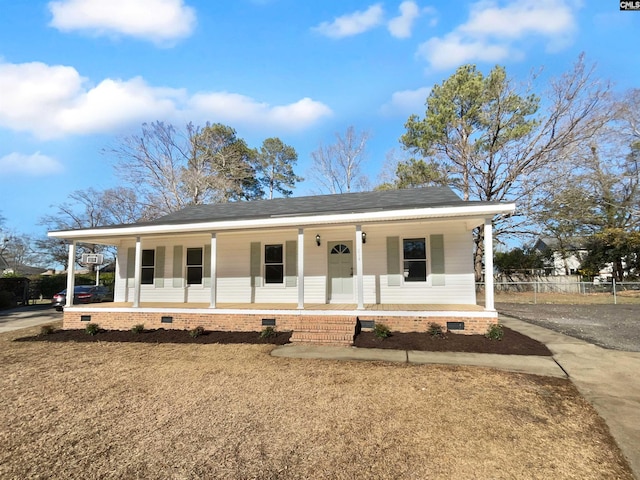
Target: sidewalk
x,y
608,379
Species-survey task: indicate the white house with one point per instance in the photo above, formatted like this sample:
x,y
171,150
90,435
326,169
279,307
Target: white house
x,y
565,257
315,265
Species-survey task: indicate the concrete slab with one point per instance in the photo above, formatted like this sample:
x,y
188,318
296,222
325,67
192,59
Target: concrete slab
x,y
514,363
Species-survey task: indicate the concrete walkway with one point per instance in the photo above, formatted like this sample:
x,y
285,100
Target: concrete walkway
x,y
608,379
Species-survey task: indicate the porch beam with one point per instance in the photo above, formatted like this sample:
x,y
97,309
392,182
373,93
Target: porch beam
x,y
71,275
301,268
359,269
488,265
214,266
137,273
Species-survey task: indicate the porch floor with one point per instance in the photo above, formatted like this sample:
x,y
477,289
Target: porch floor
x,y
371,307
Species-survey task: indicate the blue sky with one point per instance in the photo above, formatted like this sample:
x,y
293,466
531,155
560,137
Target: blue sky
x,y
77,75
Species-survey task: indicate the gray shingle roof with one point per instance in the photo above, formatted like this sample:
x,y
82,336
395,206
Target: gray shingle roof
x,y
317,205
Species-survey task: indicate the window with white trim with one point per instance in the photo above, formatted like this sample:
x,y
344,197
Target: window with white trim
x,y
194,266
148,267
274,263
414,253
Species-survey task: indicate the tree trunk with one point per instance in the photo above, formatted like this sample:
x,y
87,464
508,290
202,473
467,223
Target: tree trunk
x,y
478,254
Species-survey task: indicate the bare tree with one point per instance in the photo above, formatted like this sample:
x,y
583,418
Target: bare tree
x,y
337,168
16,250
152,162
121,205
170,168
85,209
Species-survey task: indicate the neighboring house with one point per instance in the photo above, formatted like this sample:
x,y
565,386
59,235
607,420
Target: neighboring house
x,y
23,270
565,257
315,265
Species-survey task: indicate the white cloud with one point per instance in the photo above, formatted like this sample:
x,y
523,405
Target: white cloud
x,y
35,164
548,18
406,102
400,26
353,23
492,32
55,101
454,50
160,21
234,108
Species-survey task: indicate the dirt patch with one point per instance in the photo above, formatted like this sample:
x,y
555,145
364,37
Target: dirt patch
x,y
513,343
616,327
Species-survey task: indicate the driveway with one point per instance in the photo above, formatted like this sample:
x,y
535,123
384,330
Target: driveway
x,y
28,316
614,327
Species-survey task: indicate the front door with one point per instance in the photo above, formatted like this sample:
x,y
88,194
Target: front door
x,y
340,271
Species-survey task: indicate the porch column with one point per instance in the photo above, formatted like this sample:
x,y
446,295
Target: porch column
x,y
137,273
71,274
214,266
359,269
488,264
301,268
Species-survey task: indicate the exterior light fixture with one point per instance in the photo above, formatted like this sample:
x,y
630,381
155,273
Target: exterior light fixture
x,y
364,237
318,239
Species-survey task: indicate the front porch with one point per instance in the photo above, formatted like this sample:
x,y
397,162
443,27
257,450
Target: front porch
x,y
316,323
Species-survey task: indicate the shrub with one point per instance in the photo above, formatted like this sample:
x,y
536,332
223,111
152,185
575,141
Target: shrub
x,y
268,332
435,330
47,329
139,328
92,328
380,330
7,299
196,332
494,332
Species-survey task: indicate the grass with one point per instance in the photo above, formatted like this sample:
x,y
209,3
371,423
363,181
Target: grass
x,y
110,410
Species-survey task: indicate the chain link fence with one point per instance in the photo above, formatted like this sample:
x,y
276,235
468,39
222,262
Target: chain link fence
x,y
564,290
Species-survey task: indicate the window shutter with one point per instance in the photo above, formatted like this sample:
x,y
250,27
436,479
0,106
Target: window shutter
x,y
393,262
131,266
159,270
255,264
291,263
177,267
206,281
437,260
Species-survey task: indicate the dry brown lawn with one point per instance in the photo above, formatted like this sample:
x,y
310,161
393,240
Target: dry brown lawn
x,y
127,411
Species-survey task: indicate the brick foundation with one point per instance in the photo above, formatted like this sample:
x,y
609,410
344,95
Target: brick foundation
x,y
118,319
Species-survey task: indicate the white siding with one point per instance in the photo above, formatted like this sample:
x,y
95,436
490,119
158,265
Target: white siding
x,y
459,285
233,262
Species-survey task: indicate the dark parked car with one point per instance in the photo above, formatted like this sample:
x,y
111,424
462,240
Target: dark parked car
x,y
82,294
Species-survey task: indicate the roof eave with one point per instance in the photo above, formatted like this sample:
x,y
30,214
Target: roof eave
x,y
484,211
